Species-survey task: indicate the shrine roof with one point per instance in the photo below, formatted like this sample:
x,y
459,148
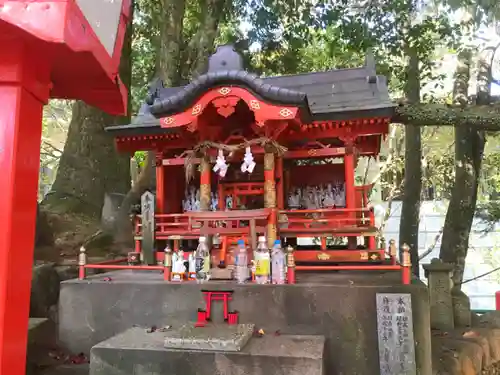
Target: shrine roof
x,y
331,95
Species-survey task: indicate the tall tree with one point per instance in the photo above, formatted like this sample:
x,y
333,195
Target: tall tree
x,y
410,210
90,166
469,148
186,36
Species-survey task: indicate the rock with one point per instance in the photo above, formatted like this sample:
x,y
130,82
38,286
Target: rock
x,y
468,354
490,320
461,308
44,291
43,232
110,210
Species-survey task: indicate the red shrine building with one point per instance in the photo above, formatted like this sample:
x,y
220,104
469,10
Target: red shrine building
x,y
304,134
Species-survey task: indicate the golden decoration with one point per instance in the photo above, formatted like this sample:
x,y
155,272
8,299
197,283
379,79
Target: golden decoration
x,y
168,120
285,112
406,256
363,255
290,257
224,91
254,104
196,109
323,256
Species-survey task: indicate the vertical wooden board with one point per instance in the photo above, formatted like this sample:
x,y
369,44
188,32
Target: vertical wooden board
x,y
396,344
148,227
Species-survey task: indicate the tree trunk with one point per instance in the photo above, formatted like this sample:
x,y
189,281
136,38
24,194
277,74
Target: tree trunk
x,y
469,147
480,117
412,186
171,70
202,44
90,166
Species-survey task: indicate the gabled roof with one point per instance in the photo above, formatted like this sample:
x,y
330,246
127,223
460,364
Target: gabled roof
x,y
331,95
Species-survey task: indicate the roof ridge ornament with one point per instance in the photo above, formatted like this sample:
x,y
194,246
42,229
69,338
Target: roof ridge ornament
x,y
225,58
370,66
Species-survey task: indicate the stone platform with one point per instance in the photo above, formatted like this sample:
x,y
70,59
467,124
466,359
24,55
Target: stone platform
x,y
339,306
136,352
222,337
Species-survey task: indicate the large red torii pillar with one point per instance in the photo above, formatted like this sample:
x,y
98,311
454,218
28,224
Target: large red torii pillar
x,y
48,49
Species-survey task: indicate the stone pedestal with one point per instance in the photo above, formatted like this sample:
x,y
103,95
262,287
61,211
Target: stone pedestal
x,y
136,352
224,337
440,285
461,308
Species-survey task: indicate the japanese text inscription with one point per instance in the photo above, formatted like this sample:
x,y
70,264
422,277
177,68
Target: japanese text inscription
x,y
148,226
395,334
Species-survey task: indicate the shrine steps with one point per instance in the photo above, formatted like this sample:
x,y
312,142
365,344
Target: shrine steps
x,y
136,351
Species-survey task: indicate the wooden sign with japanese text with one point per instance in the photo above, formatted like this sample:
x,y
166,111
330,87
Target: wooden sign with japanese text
x,y
395,334
148,227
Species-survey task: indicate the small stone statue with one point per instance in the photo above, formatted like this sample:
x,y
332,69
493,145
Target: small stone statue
x,y
294,200
229,202
340,195
329,200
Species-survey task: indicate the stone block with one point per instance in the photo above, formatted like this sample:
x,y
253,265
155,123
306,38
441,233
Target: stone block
x,y
82,369
137,352
44,290
461,308
440,285
339,306
231,338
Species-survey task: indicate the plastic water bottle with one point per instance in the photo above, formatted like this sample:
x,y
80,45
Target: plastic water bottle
x,y
277,263
262,262
241,263
202,261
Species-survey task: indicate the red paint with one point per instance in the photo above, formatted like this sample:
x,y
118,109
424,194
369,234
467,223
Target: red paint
x,y
81,272
406,275
160,187
497,300
48,50
167,273
24,89
232,318
290,275
216,295
332,256
201,318
122,267
226,97
348,268
205,177
80,67
280,193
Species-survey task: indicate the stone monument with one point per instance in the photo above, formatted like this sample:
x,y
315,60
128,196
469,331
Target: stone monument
x,y
440,285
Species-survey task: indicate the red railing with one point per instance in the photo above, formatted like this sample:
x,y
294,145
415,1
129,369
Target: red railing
x,y
334,220
194,224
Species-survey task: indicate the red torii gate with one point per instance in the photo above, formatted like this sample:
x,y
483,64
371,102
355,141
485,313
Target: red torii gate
x,y
49,49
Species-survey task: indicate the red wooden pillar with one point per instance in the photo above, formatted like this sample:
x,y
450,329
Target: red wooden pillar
x,y
350,191
160,184
270,196
205,188
280,191
24,89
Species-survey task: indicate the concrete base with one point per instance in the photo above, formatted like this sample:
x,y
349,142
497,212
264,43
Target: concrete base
x,y
136,352
224,337
339,306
